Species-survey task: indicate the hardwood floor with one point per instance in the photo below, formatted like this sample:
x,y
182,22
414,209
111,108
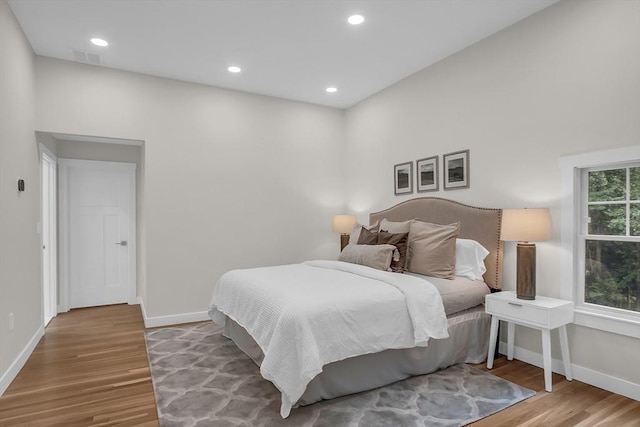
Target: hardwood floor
x,y
572,403
91,369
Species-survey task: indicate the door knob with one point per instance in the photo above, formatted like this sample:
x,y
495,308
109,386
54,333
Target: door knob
x,y
122,243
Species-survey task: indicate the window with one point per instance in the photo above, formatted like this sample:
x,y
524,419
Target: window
x,y
609,239
601,238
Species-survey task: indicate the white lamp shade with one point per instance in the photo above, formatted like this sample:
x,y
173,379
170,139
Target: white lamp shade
x,y
526,225
343,224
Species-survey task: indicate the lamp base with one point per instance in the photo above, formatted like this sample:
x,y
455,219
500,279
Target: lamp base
x,y
526,274
344,241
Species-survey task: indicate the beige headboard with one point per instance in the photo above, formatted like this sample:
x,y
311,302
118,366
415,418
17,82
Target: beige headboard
x,y
479,224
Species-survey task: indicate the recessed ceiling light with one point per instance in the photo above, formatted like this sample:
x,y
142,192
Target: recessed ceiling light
x,y
234,69
99,42
331,89
356,19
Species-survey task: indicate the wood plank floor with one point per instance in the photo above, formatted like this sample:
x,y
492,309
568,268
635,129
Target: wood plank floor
x,y
91,369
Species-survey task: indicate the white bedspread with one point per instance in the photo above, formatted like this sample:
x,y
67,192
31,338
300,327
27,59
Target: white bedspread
x,y
304,316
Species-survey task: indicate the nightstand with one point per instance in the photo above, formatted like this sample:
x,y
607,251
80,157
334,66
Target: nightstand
x,y
541,313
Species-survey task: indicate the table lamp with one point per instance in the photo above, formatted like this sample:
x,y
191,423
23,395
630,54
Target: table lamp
x,y
344,224
526,226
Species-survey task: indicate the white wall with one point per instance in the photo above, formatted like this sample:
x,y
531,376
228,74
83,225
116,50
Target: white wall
x,y
19,212
85,150
231,179
564,81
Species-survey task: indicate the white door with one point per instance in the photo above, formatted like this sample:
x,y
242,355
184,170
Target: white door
x,y
101,232
49,231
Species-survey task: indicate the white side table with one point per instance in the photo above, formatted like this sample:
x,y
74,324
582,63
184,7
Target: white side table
x,y
542,313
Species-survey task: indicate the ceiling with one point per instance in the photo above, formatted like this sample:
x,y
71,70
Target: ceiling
x,y
291,49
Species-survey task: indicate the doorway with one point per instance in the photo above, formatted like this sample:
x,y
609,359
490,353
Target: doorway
x,y
48,203
97,233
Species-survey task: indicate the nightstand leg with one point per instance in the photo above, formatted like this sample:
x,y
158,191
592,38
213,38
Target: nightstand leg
x,y
546,357
493,335
564,346
511,327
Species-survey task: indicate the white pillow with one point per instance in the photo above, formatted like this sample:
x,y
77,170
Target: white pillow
x,y
470,257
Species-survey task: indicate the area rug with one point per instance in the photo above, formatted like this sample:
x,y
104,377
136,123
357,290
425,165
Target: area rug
x,y
200,378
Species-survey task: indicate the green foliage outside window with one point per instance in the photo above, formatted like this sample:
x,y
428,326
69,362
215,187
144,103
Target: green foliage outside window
x,y
612,267
612,274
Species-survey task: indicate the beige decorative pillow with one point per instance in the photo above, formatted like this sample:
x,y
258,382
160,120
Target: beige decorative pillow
x,y
395,227
432,249
374,256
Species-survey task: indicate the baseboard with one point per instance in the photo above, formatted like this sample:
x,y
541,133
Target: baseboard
x,y
172,319
144,313
18,363
580,373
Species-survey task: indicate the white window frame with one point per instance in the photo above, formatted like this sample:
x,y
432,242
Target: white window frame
x,y
609,319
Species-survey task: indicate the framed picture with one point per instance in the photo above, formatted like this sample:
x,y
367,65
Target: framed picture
x,y
427,174
403,178
456,170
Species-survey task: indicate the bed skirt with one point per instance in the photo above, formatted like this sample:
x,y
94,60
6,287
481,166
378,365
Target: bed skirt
x,y
468,342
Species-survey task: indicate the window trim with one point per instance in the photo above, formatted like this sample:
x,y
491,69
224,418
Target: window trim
x,y
588,315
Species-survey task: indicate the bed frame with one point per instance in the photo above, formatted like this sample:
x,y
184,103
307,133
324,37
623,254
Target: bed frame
x,y
479,224
468,340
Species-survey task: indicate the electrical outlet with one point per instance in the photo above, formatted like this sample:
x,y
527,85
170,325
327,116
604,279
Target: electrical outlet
x,y
12,321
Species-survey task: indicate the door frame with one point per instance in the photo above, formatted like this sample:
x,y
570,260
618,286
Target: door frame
x,y
64,227
52,243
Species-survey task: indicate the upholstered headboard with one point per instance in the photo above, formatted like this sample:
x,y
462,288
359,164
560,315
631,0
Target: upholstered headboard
x,y
479,224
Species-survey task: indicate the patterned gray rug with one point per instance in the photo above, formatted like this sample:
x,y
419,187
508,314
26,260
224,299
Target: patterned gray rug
x,y
201,378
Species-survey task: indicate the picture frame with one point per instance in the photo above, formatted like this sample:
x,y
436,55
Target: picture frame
x,y
403,178
456,170
427,174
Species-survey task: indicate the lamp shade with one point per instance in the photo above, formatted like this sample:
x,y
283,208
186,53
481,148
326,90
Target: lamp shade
x,y
526,225
343,224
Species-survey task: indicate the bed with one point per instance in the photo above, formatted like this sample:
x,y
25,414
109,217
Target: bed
x,y
324,329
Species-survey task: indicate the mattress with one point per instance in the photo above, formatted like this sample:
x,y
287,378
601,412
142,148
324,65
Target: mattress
x,y
459,293
467,343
